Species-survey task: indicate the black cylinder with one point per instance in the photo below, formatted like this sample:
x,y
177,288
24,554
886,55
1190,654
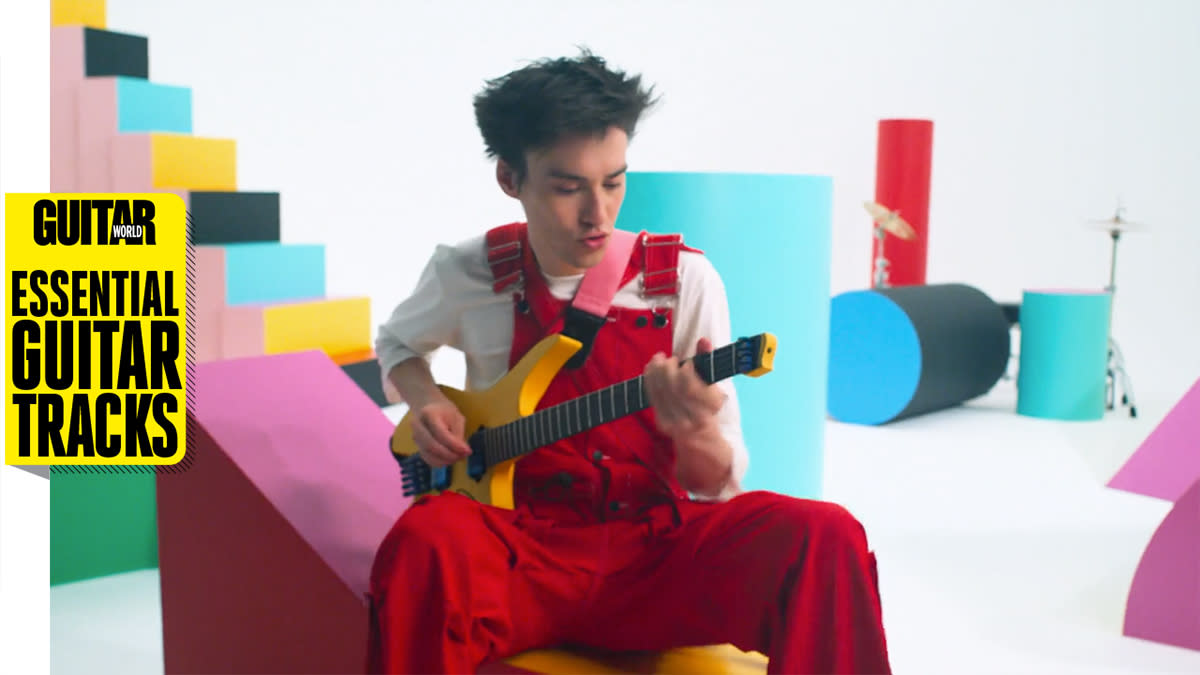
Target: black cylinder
x,y
905,351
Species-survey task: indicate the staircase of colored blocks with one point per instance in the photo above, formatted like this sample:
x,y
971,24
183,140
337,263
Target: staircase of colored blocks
x,y
115,129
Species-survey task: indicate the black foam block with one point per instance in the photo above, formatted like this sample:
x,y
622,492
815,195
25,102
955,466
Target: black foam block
x,y
230,217
900,352
367,376
107,52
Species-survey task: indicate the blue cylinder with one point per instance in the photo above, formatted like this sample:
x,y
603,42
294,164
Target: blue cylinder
x,y
769,236
1064,354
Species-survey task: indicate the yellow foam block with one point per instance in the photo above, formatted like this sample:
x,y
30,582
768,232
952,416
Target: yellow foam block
x,y
710,660
152,161
90,13
335,325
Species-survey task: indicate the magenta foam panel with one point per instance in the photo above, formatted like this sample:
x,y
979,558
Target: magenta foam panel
x,y
1168,461
267,539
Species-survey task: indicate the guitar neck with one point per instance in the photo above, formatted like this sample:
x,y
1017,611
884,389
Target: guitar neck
x,y
592,410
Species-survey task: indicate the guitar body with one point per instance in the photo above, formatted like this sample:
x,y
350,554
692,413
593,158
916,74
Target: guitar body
x,y
514,396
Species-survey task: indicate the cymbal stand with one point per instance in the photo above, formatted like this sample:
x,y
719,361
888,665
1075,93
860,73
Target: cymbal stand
x,y
1116,375
881,262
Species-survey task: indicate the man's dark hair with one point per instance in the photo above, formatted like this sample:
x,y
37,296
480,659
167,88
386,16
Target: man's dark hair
x,y
536,106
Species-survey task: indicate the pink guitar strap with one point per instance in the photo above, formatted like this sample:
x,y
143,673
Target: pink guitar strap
x,y
588,310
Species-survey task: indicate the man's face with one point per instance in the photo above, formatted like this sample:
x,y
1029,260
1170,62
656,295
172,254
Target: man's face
x,y
571,194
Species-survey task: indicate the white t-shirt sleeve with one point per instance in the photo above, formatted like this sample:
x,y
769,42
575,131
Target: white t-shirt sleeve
x,y
703,311
425,320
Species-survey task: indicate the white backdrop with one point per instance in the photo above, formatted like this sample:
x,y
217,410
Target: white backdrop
x,y
1046,113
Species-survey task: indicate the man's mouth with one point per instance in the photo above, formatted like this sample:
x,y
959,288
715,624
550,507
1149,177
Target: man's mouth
x,y
595,241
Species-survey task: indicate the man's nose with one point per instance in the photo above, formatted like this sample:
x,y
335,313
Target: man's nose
x,y
596,207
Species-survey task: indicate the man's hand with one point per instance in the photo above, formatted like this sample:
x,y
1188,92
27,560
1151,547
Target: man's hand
x,y
685,408
438,432
683,403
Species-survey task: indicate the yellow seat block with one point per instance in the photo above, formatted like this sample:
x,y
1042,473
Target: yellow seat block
x,y
709,660
91,13
193,162
336,326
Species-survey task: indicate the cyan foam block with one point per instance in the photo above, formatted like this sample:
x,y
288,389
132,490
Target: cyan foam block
x,y
149,106
258,272
1164,598
266,540
112,105
1064,354
1168,462
769,236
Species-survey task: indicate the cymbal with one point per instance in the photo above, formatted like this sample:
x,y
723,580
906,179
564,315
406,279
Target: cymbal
x,y
1117,223
890,221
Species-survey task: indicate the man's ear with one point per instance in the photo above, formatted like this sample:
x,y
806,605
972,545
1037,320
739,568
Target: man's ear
x,y
506,176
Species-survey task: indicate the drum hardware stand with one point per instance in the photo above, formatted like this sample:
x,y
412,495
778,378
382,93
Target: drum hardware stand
x,y
880,280
1116,375
885,220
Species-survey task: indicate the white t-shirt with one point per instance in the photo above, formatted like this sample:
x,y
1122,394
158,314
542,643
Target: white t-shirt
x,y
454,305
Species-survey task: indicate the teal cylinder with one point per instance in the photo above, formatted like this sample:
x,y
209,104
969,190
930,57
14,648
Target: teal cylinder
x,y
769,236
1064,354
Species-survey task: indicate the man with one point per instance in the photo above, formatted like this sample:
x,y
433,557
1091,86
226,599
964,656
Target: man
x,y
635,534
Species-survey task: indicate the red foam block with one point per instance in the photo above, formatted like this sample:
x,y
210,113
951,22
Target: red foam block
x,y
903,170
1164,599
267,540
1168,462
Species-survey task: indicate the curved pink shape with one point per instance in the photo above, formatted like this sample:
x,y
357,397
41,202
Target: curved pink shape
x,y
1164,599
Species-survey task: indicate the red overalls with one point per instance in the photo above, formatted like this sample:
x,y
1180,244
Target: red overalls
x,y
604,548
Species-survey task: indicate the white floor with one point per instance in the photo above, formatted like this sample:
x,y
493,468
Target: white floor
x,y
1000,549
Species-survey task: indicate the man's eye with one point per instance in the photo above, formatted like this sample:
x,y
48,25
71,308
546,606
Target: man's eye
x,y
565,190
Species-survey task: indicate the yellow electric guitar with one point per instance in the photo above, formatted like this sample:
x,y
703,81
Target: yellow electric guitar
x,y
502,425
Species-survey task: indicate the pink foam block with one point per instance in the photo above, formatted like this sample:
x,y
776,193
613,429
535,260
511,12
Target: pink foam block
x,y
1168,462
242,330
267,539
97,102
209,297
130,167
1164,599
66,73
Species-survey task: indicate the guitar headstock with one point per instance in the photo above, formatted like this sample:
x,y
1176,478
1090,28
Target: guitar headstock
x,y
755,356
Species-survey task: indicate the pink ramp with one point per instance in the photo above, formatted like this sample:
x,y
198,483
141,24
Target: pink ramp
x,y
1168,462
266,540
1164,599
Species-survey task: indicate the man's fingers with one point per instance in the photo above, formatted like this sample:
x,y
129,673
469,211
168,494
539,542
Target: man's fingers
x,y
437,455
440,431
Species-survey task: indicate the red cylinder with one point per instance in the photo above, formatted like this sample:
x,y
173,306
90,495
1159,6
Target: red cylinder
x,y
902,169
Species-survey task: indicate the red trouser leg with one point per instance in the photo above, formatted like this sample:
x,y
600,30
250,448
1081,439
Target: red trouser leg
x,y
456,585
787,577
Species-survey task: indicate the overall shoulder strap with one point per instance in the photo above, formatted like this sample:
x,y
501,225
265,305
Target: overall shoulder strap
x,y
660,263
588,310
504,255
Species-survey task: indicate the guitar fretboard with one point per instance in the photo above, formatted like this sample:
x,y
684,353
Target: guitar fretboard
x,y
566,419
